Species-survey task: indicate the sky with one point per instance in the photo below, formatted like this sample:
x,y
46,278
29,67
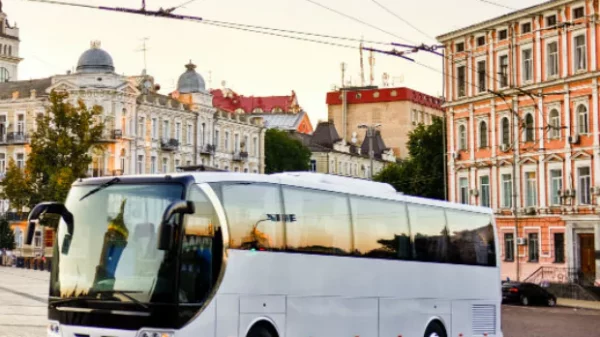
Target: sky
x,y
53,37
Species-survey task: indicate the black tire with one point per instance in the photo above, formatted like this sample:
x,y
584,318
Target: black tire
x,y
435,329
260,331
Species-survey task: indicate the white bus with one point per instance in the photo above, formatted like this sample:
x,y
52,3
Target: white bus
x,y
284,255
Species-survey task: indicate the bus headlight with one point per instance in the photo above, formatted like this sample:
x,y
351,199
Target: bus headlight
x,y
156,333
53,329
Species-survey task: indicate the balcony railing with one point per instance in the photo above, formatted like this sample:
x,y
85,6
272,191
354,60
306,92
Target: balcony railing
x,y
240,156
169,144
14,216
117,134
17,138
207,149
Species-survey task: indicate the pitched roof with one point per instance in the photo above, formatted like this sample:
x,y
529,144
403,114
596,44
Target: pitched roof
x,y
378,145
325,135
229,100
24,87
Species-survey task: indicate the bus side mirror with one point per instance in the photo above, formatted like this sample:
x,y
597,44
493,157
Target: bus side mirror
x,y
50,207
167,228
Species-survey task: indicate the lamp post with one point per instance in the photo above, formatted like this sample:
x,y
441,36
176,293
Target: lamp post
x,y
370,134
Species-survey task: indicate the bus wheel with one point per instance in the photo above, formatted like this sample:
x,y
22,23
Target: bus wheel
x,y
262,329
435,329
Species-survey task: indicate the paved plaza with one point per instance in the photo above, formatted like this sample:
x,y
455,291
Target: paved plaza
x,y
23,310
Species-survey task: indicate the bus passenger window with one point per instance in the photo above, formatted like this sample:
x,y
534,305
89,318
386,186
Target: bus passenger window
x,y
471,238
430,233
380,229
322,222
254,215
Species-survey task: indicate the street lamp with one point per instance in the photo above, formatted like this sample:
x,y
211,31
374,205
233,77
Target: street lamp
x,y
370,134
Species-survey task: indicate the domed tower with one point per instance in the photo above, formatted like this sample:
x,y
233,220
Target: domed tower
x,y
191,88
95,60
9,49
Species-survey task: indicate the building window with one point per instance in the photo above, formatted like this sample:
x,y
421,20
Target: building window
x,y
153,164
20,161
584,182
554,124
580,53
166,133
483,135
503,34
531,189
484,184
555,186
503,71
313,165
529,128
509,247
189,134
582,119
481,80
460,47
462,137
506,191
552,62
2,163
527,56
480,41
526,28
505,131
236,143
462,77
533,247
463,184
178,132
154,127
414,117
551,21
140,164
165,165
217,140
578,13
559,247
20,124
177,163
141,127
122,164
202,134
226,141
254,146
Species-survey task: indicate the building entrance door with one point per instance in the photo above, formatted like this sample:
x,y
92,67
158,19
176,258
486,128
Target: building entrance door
x,y
586,252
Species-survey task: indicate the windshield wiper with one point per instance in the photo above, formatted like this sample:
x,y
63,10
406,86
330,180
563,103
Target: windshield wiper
x,y
101,187
53,304
124,293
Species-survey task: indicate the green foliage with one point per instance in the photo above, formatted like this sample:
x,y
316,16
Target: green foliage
x,y
7,237
422,174
15,187
284,153
60,152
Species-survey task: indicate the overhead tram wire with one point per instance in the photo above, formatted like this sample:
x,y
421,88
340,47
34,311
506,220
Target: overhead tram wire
x,y
359,21
402,19
497,4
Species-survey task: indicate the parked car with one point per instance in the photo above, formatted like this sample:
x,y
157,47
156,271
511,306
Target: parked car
x,y
526,294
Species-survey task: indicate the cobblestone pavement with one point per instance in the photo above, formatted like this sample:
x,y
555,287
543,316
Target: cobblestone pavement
x,y
23,311
549,322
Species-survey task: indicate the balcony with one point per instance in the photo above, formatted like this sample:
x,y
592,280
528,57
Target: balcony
x,y
117,134
207,149
169,144
16,138
240,156
111,136
15,216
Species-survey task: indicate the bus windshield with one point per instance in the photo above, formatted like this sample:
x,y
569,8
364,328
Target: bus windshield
x,y
113,250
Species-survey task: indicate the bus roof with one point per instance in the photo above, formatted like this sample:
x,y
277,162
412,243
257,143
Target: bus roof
x,y
320,181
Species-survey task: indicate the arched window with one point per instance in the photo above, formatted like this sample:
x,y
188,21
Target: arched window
x,y
529,128
483,136
582,119
554,124
505,131
462,137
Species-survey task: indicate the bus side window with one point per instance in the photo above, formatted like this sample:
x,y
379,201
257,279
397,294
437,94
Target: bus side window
x,y
380,229
254,215
322,222
429,232
472,238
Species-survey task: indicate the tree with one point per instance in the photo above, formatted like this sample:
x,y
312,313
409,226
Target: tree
x,y
422,173
16,187
7,237
60,152
284,153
